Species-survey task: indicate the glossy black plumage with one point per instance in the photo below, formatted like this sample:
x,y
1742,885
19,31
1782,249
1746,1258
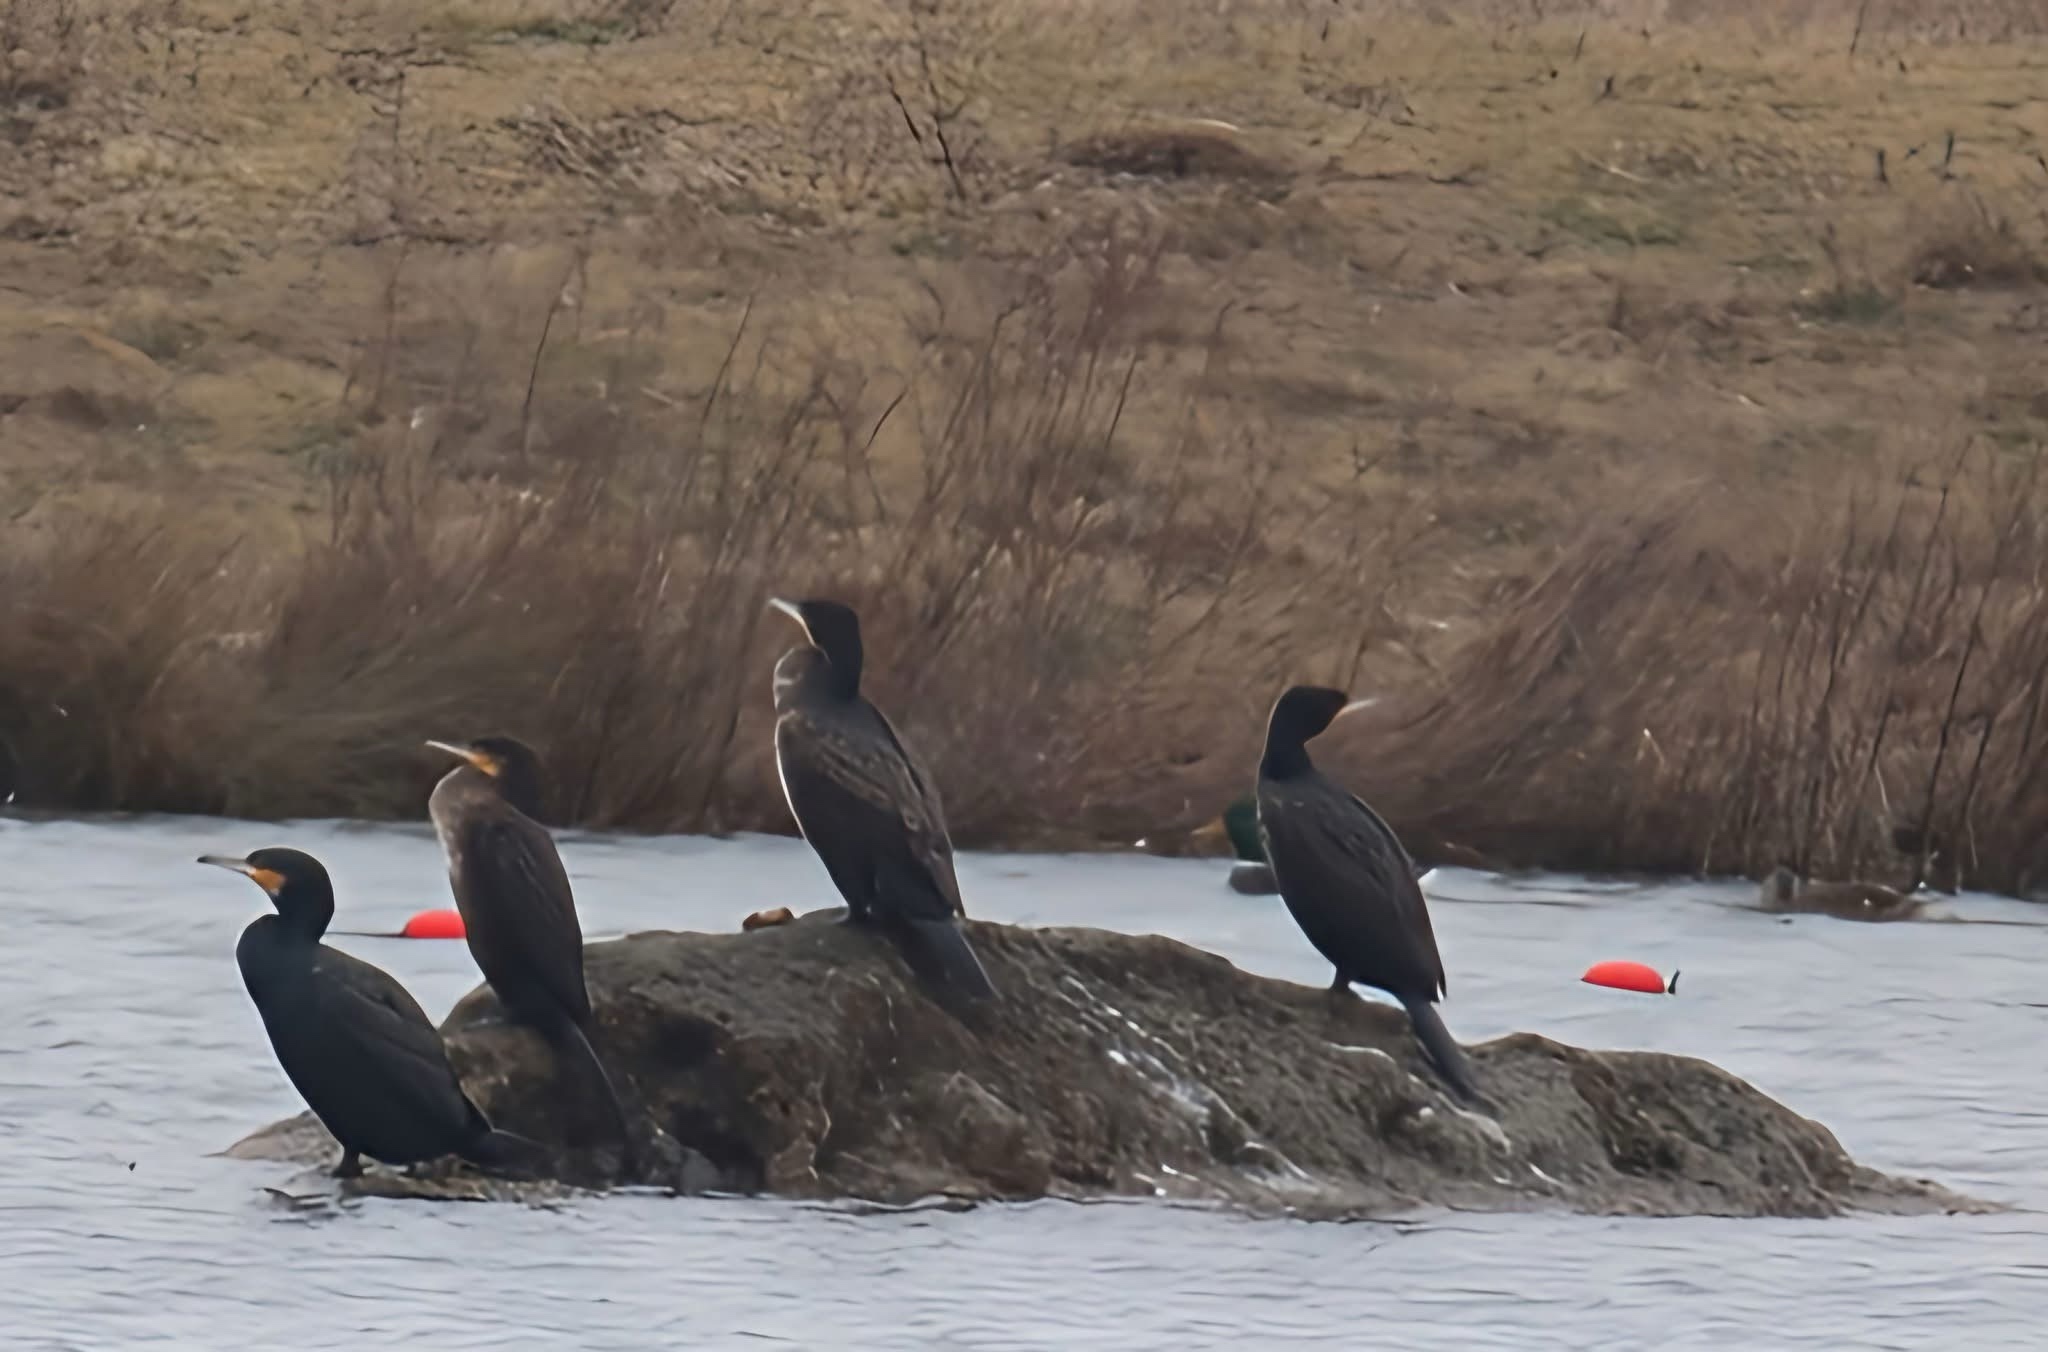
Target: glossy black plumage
x,y
1346,879
518,910
353,1042
867,806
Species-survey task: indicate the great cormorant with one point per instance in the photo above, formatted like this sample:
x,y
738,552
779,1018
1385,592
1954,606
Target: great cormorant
x,y
517,908
1346,879
355,1045
865,804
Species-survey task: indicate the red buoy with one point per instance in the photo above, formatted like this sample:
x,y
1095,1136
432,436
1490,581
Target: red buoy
x,y
434,925
1630,976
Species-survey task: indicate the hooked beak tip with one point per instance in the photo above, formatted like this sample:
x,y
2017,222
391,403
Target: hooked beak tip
x,y
795,612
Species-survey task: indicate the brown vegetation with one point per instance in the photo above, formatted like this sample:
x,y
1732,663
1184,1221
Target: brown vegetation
x,y
1800,681
1591,388
594,571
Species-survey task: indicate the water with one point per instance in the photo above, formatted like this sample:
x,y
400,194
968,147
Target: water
x,y
131,1052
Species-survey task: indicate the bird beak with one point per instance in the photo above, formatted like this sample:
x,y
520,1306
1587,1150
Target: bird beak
x,y
1356,705
267,879
1213,831
476,758
791,609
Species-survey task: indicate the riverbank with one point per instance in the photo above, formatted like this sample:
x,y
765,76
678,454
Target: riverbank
x,y
1591,392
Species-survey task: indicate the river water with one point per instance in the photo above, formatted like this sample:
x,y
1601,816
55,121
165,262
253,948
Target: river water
x,y
131,1053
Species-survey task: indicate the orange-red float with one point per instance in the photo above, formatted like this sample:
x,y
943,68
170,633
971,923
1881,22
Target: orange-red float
x,y
1630,976
434,925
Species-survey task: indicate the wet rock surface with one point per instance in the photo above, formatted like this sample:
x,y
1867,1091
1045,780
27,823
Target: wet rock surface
x,y
798,1060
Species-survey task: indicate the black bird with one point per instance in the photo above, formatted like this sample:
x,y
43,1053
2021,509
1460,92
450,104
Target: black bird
x,y
517,909
356,1046
1346,880
866,805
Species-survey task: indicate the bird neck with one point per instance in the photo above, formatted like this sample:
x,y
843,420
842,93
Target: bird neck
x,y
305,910
1285,760
466,784
519,786
842,672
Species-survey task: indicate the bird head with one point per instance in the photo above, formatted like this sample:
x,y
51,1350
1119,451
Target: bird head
x,y
833,629
296,882
509,763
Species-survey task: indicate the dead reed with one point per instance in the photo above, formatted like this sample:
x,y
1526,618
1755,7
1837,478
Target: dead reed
x,y
1060,618
1848,682
1083,584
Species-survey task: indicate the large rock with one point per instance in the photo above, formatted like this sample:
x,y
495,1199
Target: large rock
x,y
798,1060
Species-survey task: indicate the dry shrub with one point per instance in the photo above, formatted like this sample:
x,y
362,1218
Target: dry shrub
x,y
1081,626
1966,243
1056,615
45,49
1721,685
1206,149
104,626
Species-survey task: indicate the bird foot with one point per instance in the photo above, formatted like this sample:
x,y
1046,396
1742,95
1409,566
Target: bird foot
x,y
351,1166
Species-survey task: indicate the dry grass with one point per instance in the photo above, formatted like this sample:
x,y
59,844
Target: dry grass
x,y
1081,637
376,372
1808,682
591,571
1969,244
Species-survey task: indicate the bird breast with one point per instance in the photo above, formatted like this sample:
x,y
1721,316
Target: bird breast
x,y
782,774
441,810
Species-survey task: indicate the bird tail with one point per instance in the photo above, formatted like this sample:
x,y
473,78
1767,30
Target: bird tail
x,y
572,1039
507,1152
1442,1048
941,958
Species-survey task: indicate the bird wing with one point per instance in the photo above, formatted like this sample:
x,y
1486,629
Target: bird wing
x,y
931,844
882,795
511,859
373,1022
1404,886
1358,854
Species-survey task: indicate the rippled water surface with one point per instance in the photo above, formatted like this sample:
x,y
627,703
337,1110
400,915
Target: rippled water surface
x,y
130,1052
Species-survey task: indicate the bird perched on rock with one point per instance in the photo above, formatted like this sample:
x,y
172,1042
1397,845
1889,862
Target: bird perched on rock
x,y
1346,879
866,805
356,1046
518,912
